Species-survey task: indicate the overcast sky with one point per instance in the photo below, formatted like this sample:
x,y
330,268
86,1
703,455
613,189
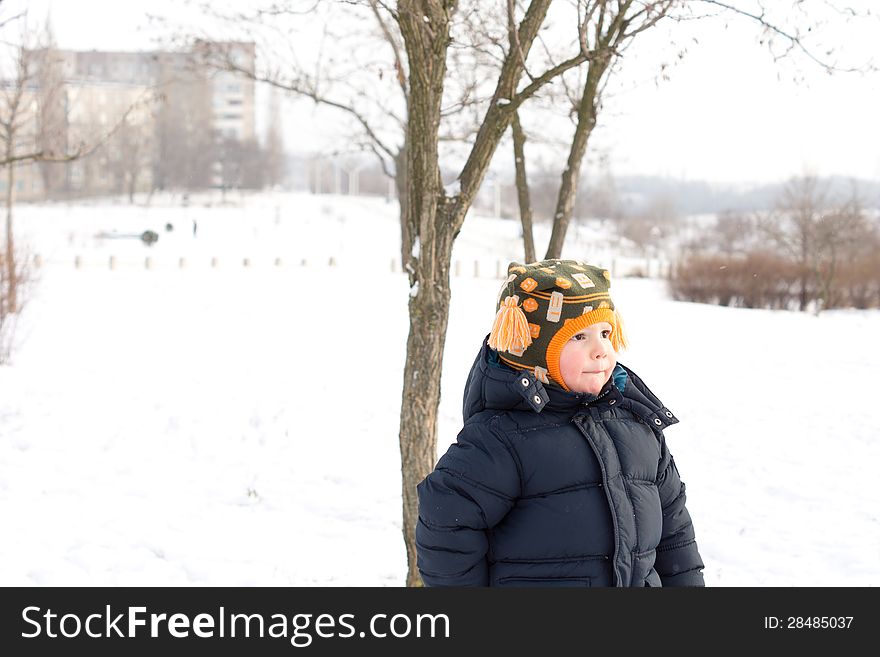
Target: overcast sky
x,y
727,113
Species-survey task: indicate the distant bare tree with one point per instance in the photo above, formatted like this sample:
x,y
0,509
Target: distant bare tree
x,y
273,148
52,135
794,228
133,153
839,236
859,277
21,143
28,133
186,146
735,232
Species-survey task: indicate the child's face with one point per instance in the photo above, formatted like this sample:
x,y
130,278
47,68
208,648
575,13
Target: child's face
x,y
588,359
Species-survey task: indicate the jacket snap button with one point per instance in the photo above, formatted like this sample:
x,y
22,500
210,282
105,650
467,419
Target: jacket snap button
x,y
657,420
668,414
525,382
537,399
612,401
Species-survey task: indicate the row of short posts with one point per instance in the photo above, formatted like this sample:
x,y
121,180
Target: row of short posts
x,y
149,263
458,267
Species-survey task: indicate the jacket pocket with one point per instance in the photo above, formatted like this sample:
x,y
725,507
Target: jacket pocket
x,y
543,581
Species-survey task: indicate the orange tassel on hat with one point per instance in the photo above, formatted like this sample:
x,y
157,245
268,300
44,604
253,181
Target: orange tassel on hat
x,y
618,336
510,332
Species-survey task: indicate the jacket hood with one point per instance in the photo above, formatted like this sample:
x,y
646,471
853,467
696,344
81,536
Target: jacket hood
x,y
499,387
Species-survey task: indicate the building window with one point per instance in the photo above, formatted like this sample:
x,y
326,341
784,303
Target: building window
x,y
234,101
233,88
231,117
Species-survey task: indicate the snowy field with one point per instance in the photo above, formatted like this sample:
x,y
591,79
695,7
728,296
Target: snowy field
x,y
238,426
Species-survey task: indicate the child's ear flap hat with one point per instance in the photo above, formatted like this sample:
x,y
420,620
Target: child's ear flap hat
x,y
542,305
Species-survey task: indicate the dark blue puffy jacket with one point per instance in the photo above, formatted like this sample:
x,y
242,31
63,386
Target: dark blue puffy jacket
x,y
551,488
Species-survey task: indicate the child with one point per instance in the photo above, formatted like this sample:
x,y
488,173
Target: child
x,y
561,475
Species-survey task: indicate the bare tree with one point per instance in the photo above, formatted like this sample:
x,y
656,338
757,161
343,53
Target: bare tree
x,y
186,147
130,153
51,96
816,234
274,144
608,28
20,142
839,236
794,228
27,136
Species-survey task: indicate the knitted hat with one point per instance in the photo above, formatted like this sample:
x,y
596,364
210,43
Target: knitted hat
x,y
542,305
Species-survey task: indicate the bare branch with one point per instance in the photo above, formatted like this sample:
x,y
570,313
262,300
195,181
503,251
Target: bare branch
x,y
395,46
372,147
309,91
795,39
513,36
6,21
82,150
548,75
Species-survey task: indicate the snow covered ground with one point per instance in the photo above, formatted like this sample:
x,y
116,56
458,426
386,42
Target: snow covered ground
x,y
238,426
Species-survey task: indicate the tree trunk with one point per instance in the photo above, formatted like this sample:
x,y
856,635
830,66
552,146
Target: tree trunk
x,y
522,188
11,282
408,230
805,276
425,28
132,185
424,25
570,177
429,314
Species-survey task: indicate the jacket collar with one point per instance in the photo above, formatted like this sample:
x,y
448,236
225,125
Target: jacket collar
x,y
494,387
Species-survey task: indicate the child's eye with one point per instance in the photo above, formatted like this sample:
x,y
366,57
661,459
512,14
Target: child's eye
x,y
606,333
580,336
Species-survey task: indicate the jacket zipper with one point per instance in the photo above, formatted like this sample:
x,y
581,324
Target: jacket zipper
x,y
593,401
617,577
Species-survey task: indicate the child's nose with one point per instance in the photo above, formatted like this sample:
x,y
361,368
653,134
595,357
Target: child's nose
x,y
599,351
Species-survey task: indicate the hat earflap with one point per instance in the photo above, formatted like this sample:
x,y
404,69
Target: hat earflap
x,y
510,331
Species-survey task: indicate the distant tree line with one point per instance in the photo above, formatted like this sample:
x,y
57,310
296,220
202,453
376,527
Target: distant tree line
x,y
811,252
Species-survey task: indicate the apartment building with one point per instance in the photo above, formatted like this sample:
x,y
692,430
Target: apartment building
x,y
161,118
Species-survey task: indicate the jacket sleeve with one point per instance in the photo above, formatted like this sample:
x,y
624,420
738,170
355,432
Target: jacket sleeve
x,y
678,561
471,489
